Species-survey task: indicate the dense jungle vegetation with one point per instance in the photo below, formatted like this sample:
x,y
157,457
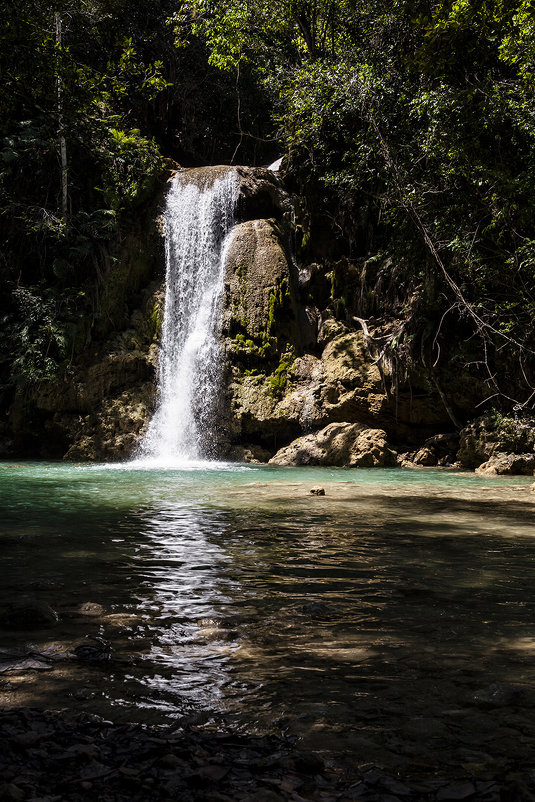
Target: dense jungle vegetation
x,y
408,130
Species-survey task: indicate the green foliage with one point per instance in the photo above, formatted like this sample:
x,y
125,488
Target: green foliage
x,y
130,162
279,378
81,77
410,131
514,434
41,332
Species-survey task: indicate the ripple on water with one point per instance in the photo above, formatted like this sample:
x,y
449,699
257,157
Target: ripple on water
x,y
231,588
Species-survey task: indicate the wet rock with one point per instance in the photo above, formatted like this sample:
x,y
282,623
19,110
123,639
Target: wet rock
x,y
97,652
259,283
261,194
28,614
58,756
498,695
91,609
317,491
508,464
33,661
453,793
342,444
395,787
308,763
266,795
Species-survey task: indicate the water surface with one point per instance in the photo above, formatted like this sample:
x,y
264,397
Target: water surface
x,y
392,618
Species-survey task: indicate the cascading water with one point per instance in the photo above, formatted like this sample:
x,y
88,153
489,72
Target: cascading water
x,y
198,216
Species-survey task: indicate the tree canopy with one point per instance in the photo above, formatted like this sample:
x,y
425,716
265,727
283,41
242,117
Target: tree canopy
x,y
408,129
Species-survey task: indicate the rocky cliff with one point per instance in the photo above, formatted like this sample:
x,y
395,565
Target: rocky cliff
x,y
300,359
308,378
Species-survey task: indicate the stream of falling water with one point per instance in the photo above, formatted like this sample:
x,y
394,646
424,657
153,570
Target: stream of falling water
x,y
199,215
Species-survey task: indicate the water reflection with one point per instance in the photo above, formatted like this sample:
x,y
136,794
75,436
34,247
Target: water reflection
x,y
183,583
340,619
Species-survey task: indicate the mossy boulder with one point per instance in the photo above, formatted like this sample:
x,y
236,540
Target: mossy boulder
x,y
494,434
259,284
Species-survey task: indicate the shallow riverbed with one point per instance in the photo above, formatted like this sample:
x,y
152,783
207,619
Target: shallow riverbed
x,y
392,619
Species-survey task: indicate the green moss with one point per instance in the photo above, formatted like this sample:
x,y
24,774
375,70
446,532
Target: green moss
x,y
279,302
156,318
514,434
278,380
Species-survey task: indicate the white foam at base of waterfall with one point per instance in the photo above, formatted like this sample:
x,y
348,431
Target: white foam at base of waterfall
x,y
199,215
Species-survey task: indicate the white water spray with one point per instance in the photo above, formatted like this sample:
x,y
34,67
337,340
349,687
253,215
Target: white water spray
x,y
199,214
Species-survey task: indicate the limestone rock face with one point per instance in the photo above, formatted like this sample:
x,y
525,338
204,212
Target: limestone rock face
x,y
353,386
340,444
113,430
97,411
261,195
299,367
98,381
258,283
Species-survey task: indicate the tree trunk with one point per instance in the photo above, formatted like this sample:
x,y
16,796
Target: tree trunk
x,y
61,131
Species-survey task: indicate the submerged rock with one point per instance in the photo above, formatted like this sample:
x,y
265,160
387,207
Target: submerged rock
x,y
499,695
96,652
91,609
28,614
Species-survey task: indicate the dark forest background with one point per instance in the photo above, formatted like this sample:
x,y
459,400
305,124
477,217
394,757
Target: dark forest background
x,y
408,135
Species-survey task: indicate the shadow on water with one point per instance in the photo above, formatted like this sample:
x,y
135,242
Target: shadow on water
x,y
393,623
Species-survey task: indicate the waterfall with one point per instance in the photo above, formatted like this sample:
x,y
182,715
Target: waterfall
x,y
199,214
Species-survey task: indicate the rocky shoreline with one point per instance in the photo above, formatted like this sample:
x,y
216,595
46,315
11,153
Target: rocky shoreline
x,y
51,757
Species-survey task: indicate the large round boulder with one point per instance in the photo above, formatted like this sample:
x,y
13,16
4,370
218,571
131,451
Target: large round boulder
x,y
508,464
340,444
